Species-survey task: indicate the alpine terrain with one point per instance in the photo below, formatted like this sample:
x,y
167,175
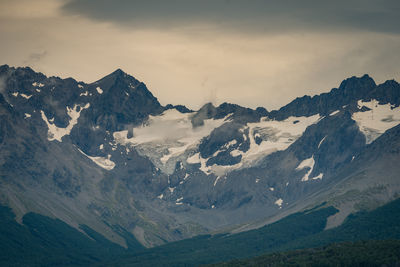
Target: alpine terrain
x,y
106,166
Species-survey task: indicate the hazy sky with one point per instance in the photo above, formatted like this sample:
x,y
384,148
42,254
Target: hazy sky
x,y
249,52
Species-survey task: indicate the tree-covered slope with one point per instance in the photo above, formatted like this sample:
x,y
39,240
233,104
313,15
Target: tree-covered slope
x,y
300,230
43,241
358,254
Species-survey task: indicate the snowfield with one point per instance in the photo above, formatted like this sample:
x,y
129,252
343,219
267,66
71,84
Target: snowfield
x,y
166,137
57,133
374,122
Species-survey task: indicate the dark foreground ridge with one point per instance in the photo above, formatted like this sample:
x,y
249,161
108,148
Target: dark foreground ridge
x,y
354,254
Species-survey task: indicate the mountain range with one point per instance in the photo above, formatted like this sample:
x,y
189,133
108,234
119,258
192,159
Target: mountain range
x,y
107,159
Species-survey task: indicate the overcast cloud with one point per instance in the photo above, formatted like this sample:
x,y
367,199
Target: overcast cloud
x,y
255,16
253,53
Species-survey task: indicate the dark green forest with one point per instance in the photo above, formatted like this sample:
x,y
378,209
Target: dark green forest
x,y
358,254
42,241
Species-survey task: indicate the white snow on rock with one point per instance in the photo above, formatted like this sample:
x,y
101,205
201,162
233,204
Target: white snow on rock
x,y
99,90
101,146
171,189
374,122
236,152
271,189
56,133
15,94
84,94
80,86
170,137
103,162
319,176
322,140
276,135
216,180
308,163
36,84
25,96
165,137
193,159
160,196
334,112
279,202
27,115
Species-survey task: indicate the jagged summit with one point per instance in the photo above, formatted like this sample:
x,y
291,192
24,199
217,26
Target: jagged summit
x,y
354,83
110,156
117,78
348,93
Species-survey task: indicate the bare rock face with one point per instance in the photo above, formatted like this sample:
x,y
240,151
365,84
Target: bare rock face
x,y
109,156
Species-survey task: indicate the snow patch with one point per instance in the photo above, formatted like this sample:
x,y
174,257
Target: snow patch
x,y
99,90
15,94
101,146
216,180
279,202
56,133
308,163
334,113
193,159
160,196
36,84
84,94
276,135
374,122
165,137
25,96
103,162
236,152
322,140
27,115
271,189
319,176
80,86
171,189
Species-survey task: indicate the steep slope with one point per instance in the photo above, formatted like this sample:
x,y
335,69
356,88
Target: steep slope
x,y
42,241
109,156
299,230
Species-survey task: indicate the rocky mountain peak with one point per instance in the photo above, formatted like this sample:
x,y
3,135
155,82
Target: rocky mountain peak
x,y
357,85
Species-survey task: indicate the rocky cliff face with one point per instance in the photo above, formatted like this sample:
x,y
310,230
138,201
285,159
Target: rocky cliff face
x,y
108,155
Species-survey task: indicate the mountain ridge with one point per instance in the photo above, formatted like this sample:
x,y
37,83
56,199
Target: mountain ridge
x,y
112,156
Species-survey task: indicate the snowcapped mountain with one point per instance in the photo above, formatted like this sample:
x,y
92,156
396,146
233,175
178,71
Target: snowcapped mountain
x,y
110,156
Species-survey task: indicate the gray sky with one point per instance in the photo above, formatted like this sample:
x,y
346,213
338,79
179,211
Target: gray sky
x,y
253,53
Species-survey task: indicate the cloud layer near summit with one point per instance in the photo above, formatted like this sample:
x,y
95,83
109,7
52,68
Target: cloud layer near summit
x,y
253,53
